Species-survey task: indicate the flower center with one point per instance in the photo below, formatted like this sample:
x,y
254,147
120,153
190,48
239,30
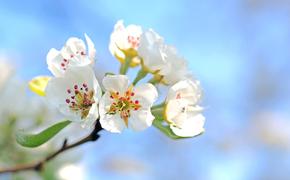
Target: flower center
x,y
124,104
80,99
134,41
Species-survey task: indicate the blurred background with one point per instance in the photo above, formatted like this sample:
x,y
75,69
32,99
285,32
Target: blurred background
x,y
238,49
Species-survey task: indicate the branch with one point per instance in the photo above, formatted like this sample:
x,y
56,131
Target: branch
x,y
38,166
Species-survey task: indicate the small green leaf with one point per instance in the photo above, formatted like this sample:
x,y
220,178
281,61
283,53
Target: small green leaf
x,y
35,140
158,123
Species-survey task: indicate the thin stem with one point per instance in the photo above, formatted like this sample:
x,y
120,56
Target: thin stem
x,y
38,166
141,74
125,66
161,105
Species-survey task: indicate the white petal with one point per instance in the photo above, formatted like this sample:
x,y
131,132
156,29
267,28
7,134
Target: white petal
x,y
116,83
140,120
70,55
112,123
56,91
75,44
174,109
151,50
186,89
53,60
91,48
193,127
146,94
177,68
119,37
91,118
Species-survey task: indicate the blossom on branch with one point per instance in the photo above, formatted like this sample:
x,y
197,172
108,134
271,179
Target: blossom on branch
x,y
76,95
74,53
124,42
124,106
182,111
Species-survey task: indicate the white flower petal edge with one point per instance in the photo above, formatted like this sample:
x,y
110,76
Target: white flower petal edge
x,y
124,38
124,106
182,111
176,69
76,95
151,49
74,53
162,59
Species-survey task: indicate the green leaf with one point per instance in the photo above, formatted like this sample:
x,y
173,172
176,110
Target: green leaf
x,y
158,123
35,140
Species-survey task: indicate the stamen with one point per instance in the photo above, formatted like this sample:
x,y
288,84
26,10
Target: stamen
x,y
123,104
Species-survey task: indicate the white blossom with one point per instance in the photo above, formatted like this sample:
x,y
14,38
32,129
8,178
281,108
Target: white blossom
x,y
182,110
126,106
151,49
74,53
176,68
76,95
125,40
161,59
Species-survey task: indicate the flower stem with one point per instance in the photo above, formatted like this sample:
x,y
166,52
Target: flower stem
x,y
159,106
125,66
38,166
141,74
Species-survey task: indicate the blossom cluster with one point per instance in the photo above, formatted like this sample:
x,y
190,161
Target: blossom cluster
x,y
115,102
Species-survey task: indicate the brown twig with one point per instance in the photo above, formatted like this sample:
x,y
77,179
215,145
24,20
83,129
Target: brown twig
x,y
38,166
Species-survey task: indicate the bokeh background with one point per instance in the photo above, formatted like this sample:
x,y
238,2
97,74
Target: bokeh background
x,y
238,49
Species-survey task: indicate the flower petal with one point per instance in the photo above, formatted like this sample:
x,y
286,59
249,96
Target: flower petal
x,y
91,48
56,91
116,83
151,50
112,123
140,119
192,127
146,93
53,60
187,89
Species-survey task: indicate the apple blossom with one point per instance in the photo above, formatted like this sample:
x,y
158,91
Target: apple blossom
x,y
182,111
74,53
125,41
126,106
76,94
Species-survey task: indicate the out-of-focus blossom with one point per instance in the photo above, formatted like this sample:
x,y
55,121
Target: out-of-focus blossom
x,y
126,106
272,129
71,172
6,71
